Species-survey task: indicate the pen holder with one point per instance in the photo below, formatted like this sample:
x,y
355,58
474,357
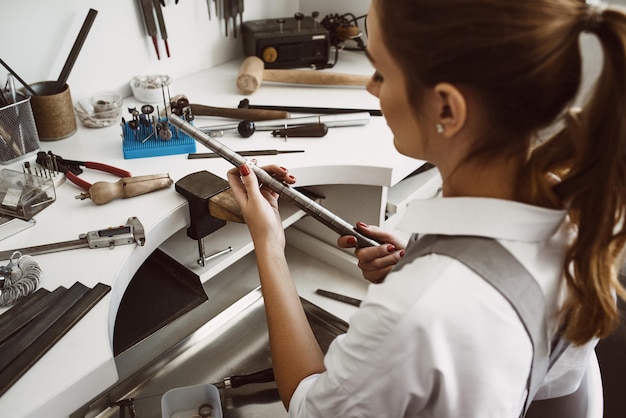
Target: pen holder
x,y
18,131
53,111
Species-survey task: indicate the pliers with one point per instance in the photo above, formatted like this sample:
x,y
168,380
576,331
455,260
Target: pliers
x,y
72,168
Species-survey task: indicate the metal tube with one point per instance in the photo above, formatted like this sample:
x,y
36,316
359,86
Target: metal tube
x,y
345,119
309,206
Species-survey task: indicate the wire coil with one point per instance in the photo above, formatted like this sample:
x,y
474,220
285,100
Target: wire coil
x,y
21,278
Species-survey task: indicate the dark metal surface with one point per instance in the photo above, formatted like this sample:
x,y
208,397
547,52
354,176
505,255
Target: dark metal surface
x,y
238,345
31,342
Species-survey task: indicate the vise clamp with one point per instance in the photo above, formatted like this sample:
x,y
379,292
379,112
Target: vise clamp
x,y
211,204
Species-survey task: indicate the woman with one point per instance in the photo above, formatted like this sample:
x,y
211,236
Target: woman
x,y
468,85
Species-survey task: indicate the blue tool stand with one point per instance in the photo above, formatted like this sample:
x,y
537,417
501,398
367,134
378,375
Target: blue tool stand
x,y
144,142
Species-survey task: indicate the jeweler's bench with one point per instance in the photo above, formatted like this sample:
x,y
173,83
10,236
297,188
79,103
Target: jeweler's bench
x,y
355,169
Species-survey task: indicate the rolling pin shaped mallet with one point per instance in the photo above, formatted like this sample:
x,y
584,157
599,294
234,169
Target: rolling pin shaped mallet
x,y
252,72
103,192
309,206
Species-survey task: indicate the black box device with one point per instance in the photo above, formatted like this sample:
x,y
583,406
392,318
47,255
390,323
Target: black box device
x,y
286,42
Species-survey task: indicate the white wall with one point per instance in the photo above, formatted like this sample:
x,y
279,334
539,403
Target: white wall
x,y
36,37
356,7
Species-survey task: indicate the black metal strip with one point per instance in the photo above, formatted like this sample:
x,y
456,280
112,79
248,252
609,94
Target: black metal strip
x,y
26,336
337,296
52,335
26,310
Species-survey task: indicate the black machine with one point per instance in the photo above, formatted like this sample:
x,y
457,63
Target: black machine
x,y
293,42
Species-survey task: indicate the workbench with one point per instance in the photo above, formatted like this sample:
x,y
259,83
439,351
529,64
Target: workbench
x,y
355,168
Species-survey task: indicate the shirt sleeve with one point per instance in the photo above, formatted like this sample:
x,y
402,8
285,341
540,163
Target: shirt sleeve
x,y
434,338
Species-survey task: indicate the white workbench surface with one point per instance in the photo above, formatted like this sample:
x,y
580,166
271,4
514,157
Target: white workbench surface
x,y
81,364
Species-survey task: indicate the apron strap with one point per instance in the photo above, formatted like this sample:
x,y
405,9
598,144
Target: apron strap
x,y
494,263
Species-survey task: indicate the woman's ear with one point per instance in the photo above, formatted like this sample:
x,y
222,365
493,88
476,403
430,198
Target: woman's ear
x,y
452,109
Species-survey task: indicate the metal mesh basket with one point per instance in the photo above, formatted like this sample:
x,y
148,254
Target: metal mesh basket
x,y
18,132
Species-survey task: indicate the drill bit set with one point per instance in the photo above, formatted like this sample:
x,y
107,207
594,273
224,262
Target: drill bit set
x,y
148,134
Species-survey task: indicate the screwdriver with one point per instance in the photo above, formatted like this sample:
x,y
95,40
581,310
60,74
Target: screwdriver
x,y
103,192
236,381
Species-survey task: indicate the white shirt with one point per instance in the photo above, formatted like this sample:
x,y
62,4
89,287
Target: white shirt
x,y
435,339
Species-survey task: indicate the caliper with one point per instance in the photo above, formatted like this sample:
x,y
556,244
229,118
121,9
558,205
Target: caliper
x,y
131,232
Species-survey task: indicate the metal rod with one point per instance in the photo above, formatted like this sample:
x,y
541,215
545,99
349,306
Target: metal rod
x,y
26,86
336,296
253,153
78,44
245,104
309,206
162,28
346,119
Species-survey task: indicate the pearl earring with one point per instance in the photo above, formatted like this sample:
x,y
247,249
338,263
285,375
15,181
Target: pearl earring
x,y
440,129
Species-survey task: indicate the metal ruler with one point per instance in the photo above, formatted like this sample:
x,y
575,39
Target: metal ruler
x,y
131,232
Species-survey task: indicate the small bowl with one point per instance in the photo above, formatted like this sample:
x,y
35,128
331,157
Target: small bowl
x,y
100,110
149,88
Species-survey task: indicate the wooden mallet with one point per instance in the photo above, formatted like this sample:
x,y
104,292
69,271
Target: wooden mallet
x,y
253,72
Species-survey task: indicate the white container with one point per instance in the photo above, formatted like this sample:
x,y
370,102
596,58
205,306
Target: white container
x,y
184,402
150,88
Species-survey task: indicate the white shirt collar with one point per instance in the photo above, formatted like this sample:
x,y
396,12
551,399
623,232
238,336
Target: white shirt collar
x,y
488,217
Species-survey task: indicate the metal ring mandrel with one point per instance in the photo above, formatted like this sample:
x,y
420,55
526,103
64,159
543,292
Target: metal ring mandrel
x,y
301,201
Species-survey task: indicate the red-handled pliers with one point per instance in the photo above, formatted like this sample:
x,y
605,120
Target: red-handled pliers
x,y
71,168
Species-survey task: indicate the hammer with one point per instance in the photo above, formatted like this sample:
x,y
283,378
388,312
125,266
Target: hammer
x,y
253,72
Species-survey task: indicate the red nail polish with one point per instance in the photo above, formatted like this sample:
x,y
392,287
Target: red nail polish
x,y
352,241
402,253
292,177
391,248
362,224
283,168
244,170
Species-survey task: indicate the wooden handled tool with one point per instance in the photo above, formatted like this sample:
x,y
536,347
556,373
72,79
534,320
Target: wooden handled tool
x,y
252,72
241,114
103,192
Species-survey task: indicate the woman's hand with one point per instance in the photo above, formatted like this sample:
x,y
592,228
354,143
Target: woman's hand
x,y
375,262
258,204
